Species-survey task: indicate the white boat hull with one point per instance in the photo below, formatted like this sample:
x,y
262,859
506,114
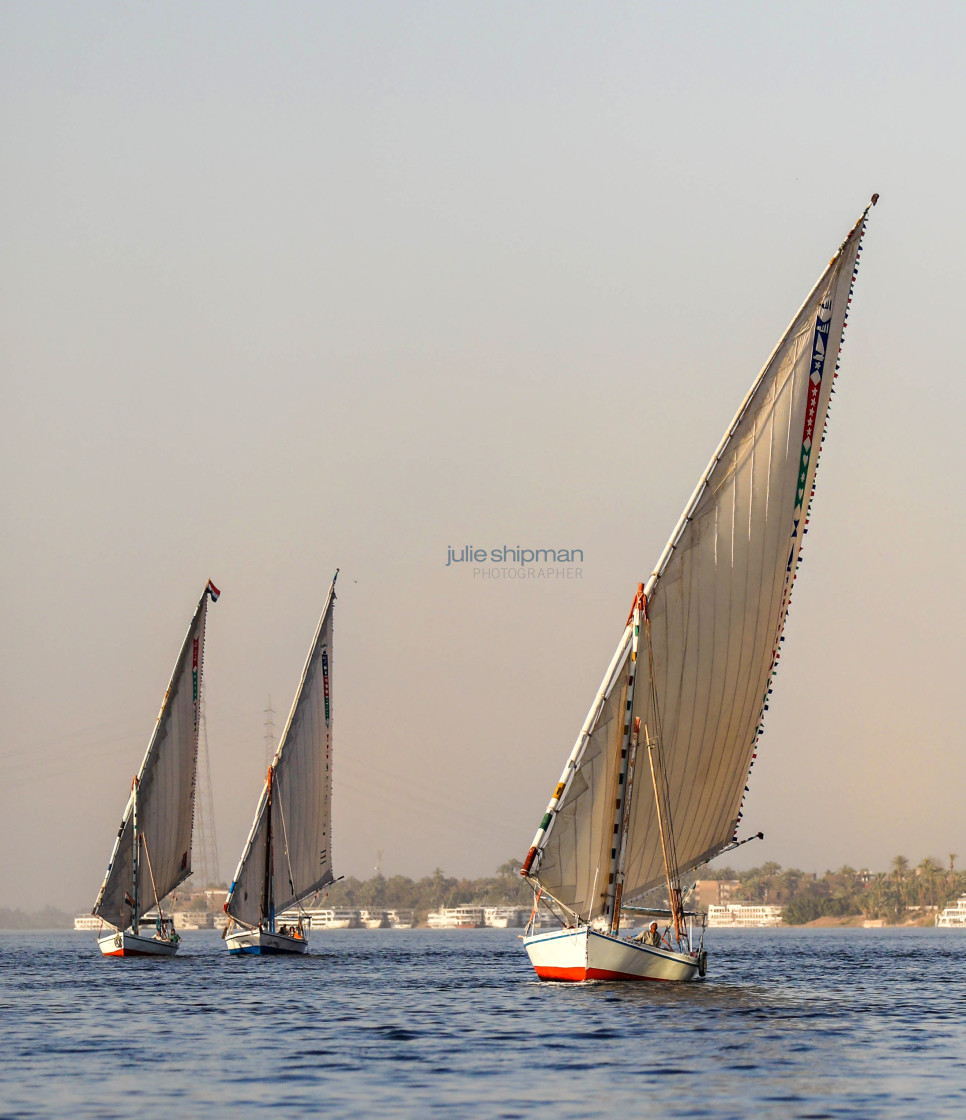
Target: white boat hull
x,y
585,954
130,944
262,942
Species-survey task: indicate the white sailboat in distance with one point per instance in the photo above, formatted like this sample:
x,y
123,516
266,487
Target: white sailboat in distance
x,y
152,852
655,783
287,856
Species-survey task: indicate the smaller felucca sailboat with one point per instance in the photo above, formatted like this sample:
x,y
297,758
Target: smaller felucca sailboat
x,y
152,852
287,855
708,626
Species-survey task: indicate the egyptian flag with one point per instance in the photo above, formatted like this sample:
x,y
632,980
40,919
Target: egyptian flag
x,y
213,591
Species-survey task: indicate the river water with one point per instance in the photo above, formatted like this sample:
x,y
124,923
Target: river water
x,y
788,1023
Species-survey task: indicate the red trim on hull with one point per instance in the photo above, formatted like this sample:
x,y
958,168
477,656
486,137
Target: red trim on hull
x,y
134,953
578,975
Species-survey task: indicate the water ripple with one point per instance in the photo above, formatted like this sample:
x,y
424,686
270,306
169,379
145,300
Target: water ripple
x,y
789,1024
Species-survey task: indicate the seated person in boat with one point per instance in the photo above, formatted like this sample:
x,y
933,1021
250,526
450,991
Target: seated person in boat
x,y
165,930
650,936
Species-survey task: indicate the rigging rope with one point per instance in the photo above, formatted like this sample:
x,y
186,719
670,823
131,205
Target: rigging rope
x,y
288,861
157,901
662,789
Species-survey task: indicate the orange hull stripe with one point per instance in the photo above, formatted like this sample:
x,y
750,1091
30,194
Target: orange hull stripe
x,y
547,972
134,953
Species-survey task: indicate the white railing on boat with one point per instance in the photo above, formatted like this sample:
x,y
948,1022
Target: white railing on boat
x,y
954,916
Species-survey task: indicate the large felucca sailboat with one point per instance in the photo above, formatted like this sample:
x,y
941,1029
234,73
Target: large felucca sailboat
x,y
655,783
152,852
287,856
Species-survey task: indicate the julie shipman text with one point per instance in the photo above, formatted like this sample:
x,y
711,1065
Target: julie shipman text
x,y
506,555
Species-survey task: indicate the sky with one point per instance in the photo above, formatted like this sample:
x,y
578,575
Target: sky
x,y
287,288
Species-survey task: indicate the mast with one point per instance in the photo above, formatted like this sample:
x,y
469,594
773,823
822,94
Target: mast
x,y
625,776
136,903
625,823
268,887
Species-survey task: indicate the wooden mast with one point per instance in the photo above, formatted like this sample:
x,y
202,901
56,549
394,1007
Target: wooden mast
x,y
268,886
135,909
625,776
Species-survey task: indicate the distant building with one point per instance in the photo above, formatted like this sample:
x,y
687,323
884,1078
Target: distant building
x,y
193,919
740,915
714,892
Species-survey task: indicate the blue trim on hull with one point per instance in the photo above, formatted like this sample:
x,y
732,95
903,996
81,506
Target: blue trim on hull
x,y
264,951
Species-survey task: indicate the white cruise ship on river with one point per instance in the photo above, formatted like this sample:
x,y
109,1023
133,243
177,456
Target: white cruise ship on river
x,y
737,915
456,917
954,916
505,917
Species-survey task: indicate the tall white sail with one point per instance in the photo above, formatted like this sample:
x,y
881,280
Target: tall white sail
x,y
298,861
575,853
717,603
165,793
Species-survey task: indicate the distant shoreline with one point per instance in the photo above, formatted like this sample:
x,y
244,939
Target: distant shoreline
x,y
851,921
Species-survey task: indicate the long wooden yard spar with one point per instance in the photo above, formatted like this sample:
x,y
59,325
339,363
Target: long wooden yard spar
x,y
279,868
716,605
159,815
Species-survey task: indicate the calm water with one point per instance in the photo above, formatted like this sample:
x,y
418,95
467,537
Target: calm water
x,y
392,1023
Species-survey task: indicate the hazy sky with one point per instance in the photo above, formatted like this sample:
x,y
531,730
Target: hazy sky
x,y
292,287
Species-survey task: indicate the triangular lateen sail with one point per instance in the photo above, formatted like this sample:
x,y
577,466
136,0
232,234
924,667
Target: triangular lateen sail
x,y
165,791
301,861
717,602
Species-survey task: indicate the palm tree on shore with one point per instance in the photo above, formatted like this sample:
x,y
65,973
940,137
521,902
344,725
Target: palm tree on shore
x,y
900,865
929,872
877,893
